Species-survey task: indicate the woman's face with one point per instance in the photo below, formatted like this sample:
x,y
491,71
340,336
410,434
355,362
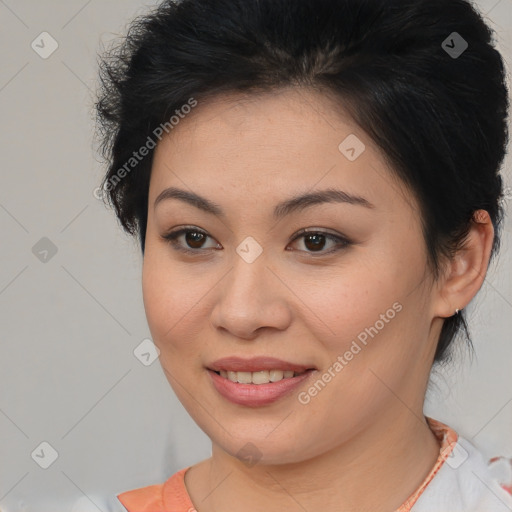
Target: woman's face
x,y
350,302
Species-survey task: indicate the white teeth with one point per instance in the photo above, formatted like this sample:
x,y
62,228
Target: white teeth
x,y
244,377
261,377
275,375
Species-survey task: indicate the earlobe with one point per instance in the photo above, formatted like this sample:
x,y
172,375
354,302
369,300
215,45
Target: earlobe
x,y
468,268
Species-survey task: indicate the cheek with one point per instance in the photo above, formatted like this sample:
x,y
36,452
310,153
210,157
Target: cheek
x,y
172,303
157,296
369,316
173,300
352,301
160,290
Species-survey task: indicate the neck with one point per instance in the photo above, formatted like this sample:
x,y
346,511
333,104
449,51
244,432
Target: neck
x,y
377,470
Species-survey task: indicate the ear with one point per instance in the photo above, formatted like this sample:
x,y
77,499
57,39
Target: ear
x,y
466,271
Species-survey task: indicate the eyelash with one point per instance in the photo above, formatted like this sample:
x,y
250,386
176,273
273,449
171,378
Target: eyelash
x,y
171,237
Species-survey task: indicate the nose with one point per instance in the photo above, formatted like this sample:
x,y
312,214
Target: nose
x,y
250,300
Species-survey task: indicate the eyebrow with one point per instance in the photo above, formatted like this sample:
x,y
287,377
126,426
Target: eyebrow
x,y
284,208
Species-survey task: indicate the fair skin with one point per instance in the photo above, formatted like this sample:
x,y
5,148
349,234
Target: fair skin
x,y
362,443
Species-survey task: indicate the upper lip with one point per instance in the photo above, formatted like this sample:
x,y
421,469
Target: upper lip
x,y
254,364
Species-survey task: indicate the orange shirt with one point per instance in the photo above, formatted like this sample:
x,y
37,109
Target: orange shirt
x,y
172,495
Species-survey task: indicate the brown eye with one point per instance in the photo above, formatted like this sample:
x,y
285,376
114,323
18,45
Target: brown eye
x,y
317,241
194,239
314,242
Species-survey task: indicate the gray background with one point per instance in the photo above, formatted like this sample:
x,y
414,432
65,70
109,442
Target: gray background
x,y
70,324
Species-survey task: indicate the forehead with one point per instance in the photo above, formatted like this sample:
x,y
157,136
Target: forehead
x,y
286,140
277,112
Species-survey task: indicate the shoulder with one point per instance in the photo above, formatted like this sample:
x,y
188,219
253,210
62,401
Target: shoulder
x,y
464,483
158,497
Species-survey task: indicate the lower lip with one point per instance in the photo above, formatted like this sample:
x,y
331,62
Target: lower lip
x,y
256,395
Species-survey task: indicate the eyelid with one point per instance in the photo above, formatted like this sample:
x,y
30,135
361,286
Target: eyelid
x,y
321,231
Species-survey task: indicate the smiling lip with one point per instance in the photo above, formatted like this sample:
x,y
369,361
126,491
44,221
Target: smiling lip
x,y
256,395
